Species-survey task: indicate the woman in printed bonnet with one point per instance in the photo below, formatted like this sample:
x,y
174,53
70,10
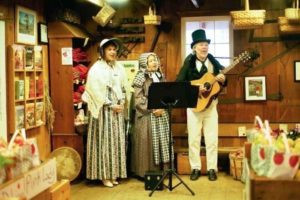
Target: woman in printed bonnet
x,y
105,96
150,142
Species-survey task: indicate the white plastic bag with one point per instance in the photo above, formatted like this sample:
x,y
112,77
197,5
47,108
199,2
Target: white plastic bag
x,y
282,165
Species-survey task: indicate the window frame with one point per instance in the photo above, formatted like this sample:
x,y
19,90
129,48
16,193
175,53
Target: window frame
x,y
184,20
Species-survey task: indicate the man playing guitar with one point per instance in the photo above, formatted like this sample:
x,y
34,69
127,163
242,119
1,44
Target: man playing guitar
x,y
195,67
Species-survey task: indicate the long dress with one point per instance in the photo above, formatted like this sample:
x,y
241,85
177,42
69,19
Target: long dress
x,y
106,156
150,142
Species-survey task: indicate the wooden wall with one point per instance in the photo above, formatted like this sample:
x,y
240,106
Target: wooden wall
x,y
276,61
7,7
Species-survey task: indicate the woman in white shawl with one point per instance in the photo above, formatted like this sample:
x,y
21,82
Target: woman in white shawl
x,y
105,96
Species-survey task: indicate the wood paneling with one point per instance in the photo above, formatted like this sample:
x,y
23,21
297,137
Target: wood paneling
x,y
61,84
7,8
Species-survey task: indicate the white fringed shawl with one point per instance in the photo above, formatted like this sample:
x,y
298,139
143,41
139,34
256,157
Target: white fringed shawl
x,y
100,77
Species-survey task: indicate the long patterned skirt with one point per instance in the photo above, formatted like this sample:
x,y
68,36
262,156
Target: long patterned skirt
x,y
106,156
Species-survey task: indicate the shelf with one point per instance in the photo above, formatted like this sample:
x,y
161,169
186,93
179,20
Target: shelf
x,y
26,99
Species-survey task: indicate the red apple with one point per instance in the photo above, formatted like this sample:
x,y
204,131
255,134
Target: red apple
x,y
294,160
278,158
262,153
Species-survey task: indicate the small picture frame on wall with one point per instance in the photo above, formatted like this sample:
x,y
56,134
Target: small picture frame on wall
x,y
255,88
42,33
297,70
25,25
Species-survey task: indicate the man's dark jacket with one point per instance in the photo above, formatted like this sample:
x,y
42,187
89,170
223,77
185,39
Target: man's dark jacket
x,y
189,72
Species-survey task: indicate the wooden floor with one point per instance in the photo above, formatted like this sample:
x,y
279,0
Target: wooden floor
x,y
225,188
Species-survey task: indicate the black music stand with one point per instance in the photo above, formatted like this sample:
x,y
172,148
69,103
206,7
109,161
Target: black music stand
x,y
170,95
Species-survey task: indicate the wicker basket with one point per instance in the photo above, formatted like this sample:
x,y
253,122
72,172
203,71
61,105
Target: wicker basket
x,y
236,164
248,19
285,27
293,14
152,18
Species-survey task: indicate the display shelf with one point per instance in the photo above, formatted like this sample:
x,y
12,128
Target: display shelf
x,y
25,74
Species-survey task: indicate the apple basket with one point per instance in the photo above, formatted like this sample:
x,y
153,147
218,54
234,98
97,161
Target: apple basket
x,y
236,164
248,19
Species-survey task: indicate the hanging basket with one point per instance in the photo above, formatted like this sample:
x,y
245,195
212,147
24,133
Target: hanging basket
x,y
152,18
293,14
248,19
285,27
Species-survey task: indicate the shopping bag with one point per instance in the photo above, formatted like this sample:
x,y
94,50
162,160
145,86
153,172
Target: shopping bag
x,y
22,151
35,155
255,130
282,164
261,149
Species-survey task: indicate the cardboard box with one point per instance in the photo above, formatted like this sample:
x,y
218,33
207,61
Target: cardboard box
x,y
183,164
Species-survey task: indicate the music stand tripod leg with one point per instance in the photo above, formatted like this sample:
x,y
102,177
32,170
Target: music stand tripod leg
x,y
159,182
169,172
181,181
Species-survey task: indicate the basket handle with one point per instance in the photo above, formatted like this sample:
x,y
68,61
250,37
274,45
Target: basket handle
x,y
258,122
152,9
17,132
247,5
285,142
296,4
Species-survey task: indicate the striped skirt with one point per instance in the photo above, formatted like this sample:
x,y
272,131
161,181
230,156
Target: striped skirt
x,y
106,156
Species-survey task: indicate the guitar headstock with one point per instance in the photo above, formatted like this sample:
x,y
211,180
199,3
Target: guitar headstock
x,y
250,55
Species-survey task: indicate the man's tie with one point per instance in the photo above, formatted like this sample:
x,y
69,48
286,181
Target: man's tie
x,y
203,69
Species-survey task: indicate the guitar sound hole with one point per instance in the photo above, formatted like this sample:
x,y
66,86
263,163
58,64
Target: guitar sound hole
x,y
207,86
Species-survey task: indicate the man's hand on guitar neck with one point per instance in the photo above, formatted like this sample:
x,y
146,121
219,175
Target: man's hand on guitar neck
x,y
220,78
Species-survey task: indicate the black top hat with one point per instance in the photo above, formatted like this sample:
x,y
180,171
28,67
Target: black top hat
x,y
199,36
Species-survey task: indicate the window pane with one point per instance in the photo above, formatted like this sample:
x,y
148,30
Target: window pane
x,y
223,54
222,31
218,30
222,50
188,49
211,49
224,62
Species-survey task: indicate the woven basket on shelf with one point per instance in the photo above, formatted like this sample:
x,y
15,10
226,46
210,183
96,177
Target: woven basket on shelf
x,y
248,19
293,14
285,27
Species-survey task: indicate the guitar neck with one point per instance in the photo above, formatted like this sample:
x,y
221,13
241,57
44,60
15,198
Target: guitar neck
x,y
227,69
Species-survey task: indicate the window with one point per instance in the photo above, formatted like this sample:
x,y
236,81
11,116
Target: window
x,y
218,30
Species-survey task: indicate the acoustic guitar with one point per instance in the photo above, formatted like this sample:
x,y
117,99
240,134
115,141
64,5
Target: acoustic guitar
x,y
212,86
